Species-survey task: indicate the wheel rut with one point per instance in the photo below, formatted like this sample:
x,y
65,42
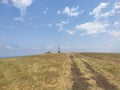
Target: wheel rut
x,y
101,81
79,82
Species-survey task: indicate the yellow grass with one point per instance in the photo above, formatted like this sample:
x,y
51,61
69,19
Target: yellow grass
x,y
53,71
86,73
41,72
106,64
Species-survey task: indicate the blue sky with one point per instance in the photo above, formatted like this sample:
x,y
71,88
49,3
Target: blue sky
x,y
37,26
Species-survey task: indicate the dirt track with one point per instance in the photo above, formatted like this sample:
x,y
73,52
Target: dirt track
x,y
79,82
100,80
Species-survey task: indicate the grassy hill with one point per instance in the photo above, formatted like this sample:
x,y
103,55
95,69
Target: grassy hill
x,y
64,71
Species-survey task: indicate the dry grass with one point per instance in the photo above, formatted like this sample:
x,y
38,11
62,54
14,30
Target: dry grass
x,y
107,64
40,72
86,74
53,71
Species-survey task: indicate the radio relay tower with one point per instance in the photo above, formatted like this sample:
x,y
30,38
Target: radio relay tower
x,y
59,51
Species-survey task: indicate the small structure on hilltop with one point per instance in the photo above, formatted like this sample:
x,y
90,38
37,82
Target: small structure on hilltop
x,y
59,51
48,52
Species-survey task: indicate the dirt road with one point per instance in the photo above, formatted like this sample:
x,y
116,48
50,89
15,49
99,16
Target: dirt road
x,y
80,83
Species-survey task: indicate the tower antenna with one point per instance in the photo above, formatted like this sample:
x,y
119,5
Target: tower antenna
x,y
59,51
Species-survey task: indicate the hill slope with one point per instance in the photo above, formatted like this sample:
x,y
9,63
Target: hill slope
x,y
65,71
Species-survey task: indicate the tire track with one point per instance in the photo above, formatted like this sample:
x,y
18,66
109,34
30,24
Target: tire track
x,y
101,81
78,81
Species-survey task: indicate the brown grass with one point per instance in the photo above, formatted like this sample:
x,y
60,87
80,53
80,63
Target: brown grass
x,y
41,72
53,71
107,64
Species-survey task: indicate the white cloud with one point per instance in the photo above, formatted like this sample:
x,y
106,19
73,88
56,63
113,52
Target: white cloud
x,y
50,47
102,13
83,47
7,27
102,10
64,47
109,46
92,27
71,11
101,23
49,25
22,5
9,47
62,24
58,12
35,48
97,11
116,24
82,11
45,11
115,33
71,32
106,14
4,1
117,5
62,28
19,18
117,8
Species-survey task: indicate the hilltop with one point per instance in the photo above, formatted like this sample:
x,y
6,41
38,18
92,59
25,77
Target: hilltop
x,y
61,71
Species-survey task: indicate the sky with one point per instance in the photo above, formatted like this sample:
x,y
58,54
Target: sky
x,y
36,26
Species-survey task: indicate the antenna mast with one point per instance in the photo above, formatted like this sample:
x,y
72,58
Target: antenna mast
x,y
59,49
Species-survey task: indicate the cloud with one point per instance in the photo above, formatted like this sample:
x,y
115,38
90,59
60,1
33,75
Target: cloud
x,y
6,27
92,27
22,5
117,8
102,13
4,1
35,48
19,18
9,47
62,24
58,12
116,23
109,46
115,33
49,25
64,47
104,10
62,28
102,21
71,32
71,11
50,47
45,11
74,11
117,5
97,11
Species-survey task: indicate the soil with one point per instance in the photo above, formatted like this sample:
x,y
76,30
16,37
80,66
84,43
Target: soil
x,y
78,81
100,79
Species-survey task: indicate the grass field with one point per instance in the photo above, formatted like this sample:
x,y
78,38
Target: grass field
x,y
108,64
40,72
64,71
